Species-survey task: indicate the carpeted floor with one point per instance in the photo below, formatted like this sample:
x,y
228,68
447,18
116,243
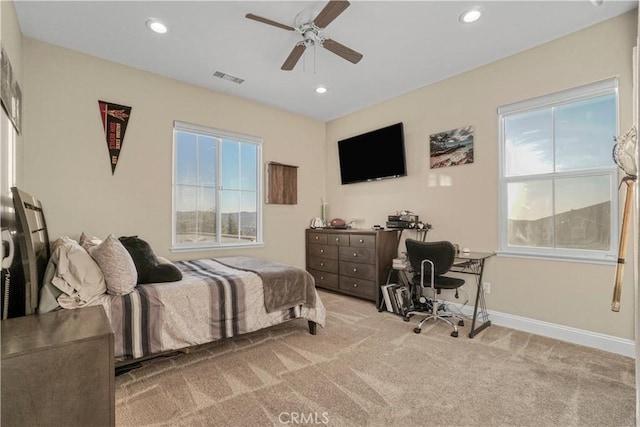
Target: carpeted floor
x,y
369,369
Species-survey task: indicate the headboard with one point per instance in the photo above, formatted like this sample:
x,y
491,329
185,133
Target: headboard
x,y
34,245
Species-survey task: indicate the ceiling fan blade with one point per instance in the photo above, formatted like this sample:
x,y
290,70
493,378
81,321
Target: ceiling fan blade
x,y
268,21
330,12
342,51
293,57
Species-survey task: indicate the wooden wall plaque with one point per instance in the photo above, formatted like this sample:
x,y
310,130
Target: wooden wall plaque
x,y
282,184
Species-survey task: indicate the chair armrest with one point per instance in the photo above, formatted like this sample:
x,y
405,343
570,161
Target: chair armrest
x,y
433,269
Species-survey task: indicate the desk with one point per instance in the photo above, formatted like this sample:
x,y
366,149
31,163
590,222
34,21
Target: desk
x,y
421,233
473,263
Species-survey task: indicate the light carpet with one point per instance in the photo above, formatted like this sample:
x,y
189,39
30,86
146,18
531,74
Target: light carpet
x,y
369,369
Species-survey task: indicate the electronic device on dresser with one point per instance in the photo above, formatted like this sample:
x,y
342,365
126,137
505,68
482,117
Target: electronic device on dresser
x,y
354,262
402,221
373,156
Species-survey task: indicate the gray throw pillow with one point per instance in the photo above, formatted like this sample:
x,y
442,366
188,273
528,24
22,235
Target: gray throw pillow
x,y
116,265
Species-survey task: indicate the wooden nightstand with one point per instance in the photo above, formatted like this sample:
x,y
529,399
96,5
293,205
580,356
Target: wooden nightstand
x,y
58,369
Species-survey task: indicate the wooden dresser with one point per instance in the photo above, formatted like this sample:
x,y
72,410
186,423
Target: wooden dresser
x,y
353,262
58,369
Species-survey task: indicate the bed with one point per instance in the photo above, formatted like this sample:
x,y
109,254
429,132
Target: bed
x,y
213,299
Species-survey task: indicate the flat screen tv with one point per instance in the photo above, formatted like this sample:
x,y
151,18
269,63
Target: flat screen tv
x,y
373,156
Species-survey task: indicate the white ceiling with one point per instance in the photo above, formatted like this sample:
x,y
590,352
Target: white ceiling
x,y
406,44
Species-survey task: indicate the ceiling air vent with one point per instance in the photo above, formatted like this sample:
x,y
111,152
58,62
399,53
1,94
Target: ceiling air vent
x,y
229,77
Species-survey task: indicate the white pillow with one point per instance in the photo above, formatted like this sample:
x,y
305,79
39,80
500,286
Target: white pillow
x,y
116,265
87,241
73,272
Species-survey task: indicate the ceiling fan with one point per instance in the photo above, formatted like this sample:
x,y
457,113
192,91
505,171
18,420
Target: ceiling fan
x,y
310,32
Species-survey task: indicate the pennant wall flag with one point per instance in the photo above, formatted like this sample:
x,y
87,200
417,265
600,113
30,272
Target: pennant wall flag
x,y
114,122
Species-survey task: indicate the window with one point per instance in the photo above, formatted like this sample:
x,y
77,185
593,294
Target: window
x,y
8,156
216,188
558,182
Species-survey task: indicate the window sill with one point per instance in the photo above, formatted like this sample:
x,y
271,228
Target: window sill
x,y
561,258
179,249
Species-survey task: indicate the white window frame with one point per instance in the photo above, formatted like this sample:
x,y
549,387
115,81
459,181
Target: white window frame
x,y
8,152
217,134
601,88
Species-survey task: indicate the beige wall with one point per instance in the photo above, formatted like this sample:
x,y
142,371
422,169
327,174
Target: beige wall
x,y
461,201
11,38
67,163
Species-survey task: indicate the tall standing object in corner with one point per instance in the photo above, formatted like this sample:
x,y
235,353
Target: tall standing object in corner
x,y
114,122
624,155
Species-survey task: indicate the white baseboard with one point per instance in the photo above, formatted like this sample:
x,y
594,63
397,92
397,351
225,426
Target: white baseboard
x,y
604,342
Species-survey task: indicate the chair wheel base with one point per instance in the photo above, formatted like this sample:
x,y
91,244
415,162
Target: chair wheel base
x,y
460,322
454,334
405,318
417,330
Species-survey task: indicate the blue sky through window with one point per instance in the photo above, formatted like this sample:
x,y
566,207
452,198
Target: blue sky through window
x,y
569,137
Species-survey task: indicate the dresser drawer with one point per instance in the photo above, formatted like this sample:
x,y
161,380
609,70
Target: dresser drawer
x,y
350,262
324,279
361,255
338,239
354,269
317,238
362,241
358,287
324,251
323,264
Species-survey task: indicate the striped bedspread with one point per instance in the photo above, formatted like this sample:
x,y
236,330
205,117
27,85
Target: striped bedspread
x,y
211,302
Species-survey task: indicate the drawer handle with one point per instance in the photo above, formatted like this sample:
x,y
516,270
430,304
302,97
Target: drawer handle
x,y
322,264
355,254
321,277
321,251
337,239
355,270
355,285
361,241
317,237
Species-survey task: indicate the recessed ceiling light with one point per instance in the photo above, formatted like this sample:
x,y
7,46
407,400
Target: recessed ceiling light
x,y
321,89
156,26
471,15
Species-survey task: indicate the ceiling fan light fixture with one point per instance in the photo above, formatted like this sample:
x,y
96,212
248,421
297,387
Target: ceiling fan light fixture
x,y
156,26
470,15
310,31
321,89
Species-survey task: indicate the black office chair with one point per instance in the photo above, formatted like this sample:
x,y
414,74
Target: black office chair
x,y
429,262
